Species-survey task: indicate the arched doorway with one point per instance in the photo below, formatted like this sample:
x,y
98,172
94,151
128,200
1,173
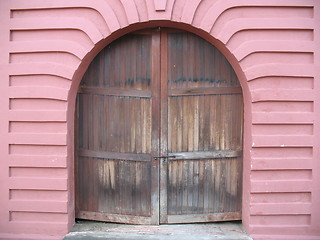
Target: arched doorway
x,y
159,132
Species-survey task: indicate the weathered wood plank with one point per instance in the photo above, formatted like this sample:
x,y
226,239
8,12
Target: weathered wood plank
x,y
163,127
155,123
115,155
205,154
204,91
193,218
118,218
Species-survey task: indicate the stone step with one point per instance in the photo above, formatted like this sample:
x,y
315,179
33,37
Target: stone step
x,y
88,230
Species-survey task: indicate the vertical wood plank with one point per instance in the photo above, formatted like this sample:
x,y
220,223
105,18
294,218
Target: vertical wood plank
x,y
179,124
155,140
190,120
164,126
195,126
201,187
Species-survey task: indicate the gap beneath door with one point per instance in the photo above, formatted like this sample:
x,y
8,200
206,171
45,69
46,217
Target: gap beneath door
x,y
91,230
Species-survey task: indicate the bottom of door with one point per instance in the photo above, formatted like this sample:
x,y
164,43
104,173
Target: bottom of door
x,y
141,220
197,218
116,218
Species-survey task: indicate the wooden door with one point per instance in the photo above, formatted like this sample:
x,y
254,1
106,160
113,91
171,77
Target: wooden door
x,y
147,96
118,133
202,129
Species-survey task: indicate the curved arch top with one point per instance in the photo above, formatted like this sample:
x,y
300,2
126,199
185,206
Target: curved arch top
x,y
158,24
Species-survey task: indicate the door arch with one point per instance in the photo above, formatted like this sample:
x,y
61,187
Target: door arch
x,y
159,126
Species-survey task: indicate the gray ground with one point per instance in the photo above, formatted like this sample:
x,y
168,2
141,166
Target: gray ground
x,y
89,230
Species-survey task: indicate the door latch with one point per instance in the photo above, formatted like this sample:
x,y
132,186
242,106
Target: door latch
x,y
164,158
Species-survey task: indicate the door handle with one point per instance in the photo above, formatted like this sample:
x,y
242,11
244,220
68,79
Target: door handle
x,y
164,158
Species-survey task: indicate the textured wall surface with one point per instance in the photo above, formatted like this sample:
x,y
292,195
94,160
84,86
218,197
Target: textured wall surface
x,y
274,46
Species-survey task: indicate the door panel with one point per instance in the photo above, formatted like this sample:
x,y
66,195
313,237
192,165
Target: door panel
x,y
204,133
115,135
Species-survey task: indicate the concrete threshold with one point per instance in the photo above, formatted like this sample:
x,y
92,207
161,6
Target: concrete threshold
x,y
90,230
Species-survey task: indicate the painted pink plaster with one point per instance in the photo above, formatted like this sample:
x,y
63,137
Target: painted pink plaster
x,y
46,47
160,5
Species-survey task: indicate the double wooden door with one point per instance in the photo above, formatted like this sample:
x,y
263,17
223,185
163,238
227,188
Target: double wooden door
x,y
159,132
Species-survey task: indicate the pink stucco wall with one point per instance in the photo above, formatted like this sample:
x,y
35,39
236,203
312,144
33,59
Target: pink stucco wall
x,y
274,46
